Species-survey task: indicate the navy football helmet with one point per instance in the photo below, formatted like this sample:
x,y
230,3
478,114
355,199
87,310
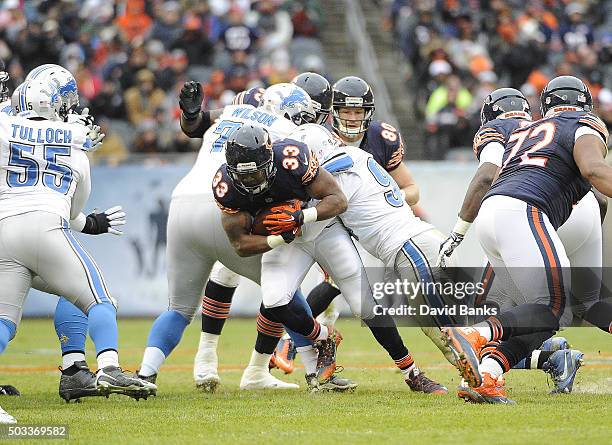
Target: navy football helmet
x,y
502,101
250,160
566,90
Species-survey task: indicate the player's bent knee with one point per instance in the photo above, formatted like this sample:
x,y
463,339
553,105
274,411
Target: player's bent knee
x,y
222,276
187,311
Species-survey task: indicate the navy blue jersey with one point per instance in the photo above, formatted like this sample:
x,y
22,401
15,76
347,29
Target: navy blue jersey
x,y
252,96
383,142
539,167
497,130
296,168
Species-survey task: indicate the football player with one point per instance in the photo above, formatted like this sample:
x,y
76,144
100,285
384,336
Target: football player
x,y
504,111
193,200
45,185
548,166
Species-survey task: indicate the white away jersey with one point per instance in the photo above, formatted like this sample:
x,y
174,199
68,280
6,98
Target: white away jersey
x,y
376,212
42,163
212,152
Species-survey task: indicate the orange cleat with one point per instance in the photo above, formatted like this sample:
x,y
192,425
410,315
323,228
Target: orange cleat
x,y
326,362
465,344
283,356
491,391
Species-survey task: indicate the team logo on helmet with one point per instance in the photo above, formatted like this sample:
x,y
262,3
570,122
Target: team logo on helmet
x,y
296,97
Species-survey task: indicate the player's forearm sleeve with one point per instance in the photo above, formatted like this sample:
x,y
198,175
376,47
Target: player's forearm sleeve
x,y
195,128
78,223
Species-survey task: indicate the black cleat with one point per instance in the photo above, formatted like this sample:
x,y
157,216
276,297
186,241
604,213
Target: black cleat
x,y
77,381
9,390
113,380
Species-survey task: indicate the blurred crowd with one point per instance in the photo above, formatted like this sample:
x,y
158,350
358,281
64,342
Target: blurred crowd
x,y
131,57
461,50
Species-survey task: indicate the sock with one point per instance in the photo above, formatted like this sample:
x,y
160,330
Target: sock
x,y
296,318
406,365
152,360
259,360
69,358
268,334
71,327
108,358
329,316
7,332
492,367
484,330
102,320
534,360
309,356
167,331
321,296
600,315
216,305
208,341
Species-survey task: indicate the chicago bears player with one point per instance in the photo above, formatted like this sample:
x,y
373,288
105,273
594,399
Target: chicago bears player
x,y
504,111
320,92
44,185
193,205
548,166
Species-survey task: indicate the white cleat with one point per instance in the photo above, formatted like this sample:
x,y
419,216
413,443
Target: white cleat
x,y
205,370
255,377
6,417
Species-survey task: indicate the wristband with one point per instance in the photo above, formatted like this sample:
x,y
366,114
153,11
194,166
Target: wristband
x,y
461,226
310,214
275,241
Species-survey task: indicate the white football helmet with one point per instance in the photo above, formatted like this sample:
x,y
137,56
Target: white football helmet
x,y
289,101
34,98
63,80
319,140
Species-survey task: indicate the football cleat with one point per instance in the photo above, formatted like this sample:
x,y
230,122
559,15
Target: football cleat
x,y
6,417
555,344
465,344
491,391
256,377
418,382
82,383
312,383
113,380
326,361
9,390
205,370
562,366
284,356
337,384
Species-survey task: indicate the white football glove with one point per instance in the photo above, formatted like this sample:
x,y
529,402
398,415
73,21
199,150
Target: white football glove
x,y
447,248
96,137
84,118
116,218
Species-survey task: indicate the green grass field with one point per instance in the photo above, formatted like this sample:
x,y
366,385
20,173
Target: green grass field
x,y
382,410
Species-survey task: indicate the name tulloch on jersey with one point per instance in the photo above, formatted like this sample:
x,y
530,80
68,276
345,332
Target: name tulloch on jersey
x,y
42,135
255,115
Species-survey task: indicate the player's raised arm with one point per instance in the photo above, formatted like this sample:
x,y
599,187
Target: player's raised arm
x,y
589,151
194,121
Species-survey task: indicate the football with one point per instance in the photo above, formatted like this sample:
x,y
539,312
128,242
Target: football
x,y
258,227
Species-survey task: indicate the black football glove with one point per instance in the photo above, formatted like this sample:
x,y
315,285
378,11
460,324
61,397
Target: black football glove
x,y
107,222
190,99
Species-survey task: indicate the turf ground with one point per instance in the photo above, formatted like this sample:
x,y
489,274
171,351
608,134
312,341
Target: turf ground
x,y
382,410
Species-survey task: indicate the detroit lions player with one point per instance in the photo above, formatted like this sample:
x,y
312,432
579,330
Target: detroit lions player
x,y
45,185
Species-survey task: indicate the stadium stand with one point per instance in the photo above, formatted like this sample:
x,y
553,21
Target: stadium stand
x,y
131,57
